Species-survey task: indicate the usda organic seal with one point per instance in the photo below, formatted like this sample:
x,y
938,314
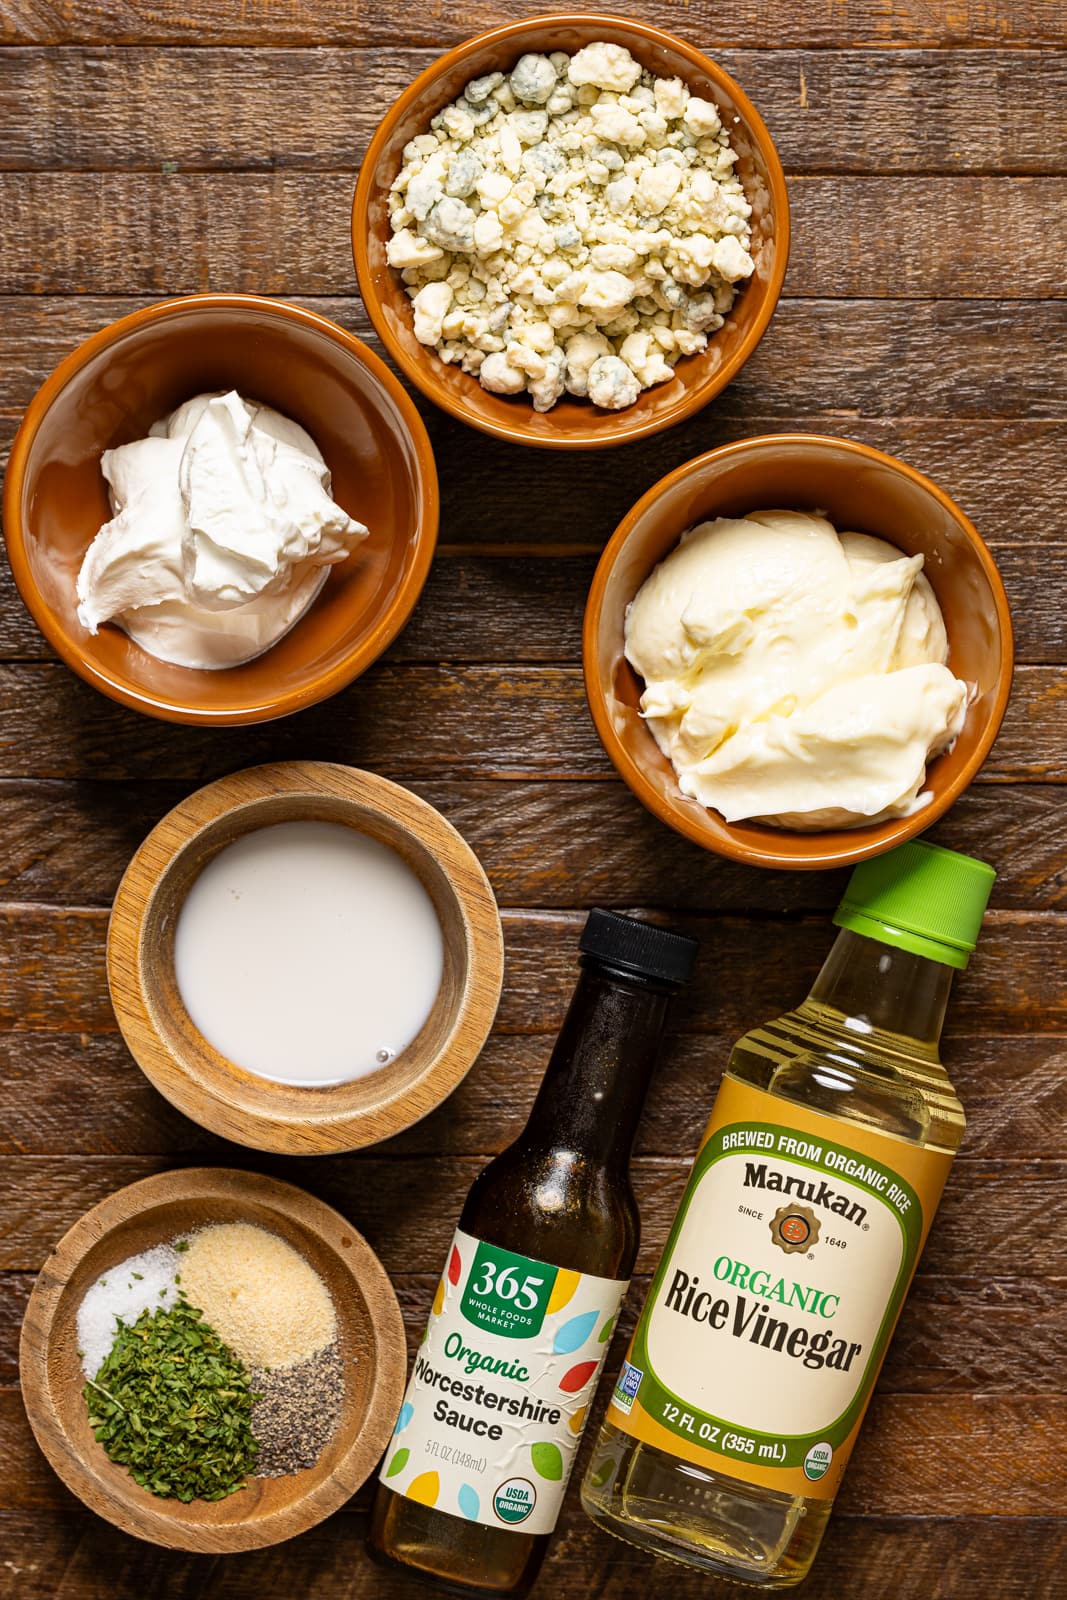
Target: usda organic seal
x,y
514,1500
817,1461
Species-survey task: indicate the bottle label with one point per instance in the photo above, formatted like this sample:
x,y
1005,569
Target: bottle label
x,y
771,1310
496,1405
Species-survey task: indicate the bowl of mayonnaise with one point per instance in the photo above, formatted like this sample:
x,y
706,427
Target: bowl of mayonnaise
x,y
798,651
220,509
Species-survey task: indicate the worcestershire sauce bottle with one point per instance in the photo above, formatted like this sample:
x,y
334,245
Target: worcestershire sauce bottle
x,y
475,1473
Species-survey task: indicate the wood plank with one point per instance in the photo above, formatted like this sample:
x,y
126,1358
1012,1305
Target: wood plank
x,y
901,1559
73,1553
994,1353
315,22
877,360
56,982
474,722
69,844
979,237
925,142
529,605
315,109
993,1221
1013,1086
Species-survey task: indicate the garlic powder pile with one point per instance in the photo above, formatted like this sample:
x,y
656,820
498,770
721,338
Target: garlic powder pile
x,y
260,1296
573,226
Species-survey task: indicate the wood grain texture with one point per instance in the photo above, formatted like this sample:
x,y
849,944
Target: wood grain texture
x,y
841,111
1014,1087
878,360
993,1220
57,981
924,314
529,605
269,233
314,22
64,846
533,723
902,1558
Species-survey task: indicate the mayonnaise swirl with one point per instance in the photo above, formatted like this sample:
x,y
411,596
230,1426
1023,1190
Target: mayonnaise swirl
x,y
794,674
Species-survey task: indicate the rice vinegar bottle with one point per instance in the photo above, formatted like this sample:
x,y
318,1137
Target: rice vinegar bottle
x,y
475,1474
787,1265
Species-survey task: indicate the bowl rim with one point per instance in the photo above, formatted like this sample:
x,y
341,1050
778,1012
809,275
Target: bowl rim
x,y
264,708
815,858
332,1126
312,1216
616,430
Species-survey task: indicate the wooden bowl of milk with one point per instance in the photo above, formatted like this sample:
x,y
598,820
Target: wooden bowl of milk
x,y
304,957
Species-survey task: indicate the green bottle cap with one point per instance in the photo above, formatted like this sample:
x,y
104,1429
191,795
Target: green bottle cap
x,y
921,898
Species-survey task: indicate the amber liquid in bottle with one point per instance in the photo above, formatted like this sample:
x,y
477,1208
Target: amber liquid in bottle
x,y
560,1194
862,1048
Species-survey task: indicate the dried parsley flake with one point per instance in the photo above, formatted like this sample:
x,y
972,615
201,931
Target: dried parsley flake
x,y
173,1404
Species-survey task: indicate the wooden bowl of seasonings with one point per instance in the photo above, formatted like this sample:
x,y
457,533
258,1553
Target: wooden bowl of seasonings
x,y
212,1360
305,958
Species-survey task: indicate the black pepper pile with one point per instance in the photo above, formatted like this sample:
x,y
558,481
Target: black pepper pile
x,y
296,1413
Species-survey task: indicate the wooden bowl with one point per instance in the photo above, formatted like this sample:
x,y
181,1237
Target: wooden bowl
x,y
252,1110
370,1337
859,489
571,424
124,378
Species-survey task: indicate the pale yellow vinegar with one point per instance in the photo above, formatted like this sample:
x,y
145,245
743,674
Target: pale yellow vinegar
x,y
863,1048
308,953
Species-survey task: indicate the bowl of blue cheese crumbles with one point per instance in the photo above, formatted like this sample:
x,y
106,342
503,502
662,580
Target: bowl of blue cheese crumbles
x,y
571,231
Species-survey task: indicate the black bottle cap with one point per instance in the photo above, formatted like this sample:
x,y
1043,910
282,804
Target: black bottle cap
x,y
638,947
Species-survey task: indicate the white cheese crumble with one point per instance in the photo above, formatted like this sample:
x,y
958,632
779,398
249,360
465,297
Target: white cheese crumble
x,y
573,226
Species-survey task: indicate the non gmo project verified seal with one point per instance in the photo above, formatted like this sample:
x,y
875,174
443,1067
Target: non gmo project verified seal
x,y
627,1386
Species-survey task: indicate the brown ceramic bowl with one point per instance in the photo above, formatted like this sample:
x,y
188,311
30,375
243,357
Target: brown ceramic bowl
x,y
240,1105
857,488
572,424
370,1338
124,378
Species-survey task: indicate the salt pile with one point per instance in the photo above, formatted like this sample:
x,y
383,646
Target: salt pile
x,y
144,1282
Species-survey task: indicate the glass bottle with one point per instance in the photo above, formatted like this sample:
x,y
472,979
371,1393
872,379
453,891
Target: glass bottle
x,y
770,1313
474,1476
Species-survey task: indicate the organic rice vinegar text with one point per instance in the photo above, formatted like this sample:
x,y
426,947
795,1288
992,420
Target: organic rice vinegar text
x,y
767,1321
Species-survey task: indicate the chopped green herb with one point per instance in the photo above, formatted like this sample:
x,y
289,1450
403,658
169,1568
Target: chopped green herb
x,y
139,1276
172,1403
181,1244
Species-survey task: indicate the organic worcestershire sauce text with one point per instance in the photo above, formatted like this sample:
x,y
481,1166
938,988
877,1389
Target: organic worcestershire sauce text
x,y
475,1473
787,1265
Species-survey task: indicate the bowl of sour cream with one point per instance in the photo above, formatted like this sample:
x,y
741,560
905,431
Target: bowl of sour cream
x,y
220,509
304,957
798,651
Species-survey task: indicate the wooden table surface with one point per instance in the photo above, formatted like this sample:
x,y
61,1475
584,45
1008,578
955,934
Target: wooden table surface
x,y
153,148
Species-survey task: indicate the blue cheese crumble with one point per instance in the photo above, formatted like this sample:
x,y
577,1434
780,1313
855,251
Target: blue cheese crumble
x,y
574,226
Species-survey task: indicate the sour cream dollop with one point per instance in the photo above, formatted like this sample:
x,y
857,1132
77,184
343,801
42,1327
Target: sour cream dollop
x,y
793,674
223,532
